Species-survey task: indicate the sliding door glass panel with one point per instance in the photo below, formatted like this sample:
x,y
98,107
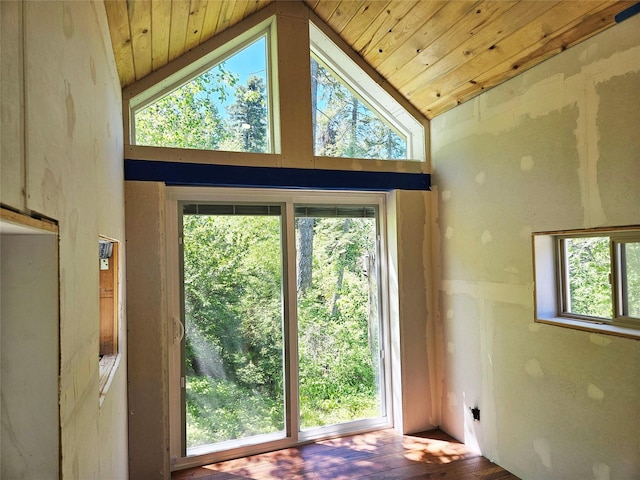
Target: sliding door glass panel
x,y
233,343
338,315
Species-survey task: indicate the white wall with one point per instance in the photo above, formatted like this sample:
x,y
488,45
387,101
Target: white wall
x,y
62,158
554,148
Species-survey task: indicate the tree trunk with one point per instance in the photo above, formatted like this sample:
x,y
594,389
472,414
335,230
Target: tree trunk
x,y
335,310
305,253
314,97
353,144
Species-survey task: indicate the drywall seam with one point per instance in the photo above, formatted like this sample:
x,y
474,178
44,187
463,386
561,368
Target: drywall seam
x,y
587,137
488,403
518,294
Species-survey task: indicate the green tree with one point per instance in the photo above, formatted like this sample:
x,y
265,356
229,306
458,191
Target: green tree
x,y
248,117
589,263
344,126
189,116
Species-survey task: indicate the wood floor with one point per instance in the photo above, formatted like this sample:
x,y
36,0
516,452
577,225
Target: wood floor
x,y
372,456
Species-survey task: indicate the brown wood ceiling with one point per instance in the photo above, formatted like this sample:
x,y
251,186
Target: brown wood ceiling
x,y
438,54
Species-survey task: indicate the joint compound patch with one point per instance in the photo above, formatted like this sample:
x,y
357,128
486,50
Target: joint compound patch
x,y
595,393
446,195
480,178
542,448
601,471
486,237
452,400
448,233
533,368
526,163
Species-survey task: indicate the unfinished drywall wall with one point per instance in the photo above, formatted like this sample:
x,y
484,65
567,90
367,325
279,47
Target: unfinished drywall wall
x,y
62,145
554,148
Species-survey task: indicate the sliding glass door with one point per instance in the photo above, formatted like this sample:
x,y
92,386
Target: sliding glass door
x,y
233,340
338,319
277,320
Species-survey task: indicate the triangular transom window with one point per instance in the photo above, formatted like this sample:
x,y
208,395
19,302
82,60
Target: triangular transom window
x,y
226,107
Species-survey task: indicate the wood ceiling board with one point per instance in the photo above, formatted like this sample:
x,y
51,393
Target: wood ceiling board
x,y
429,47
532,34
343,14
118,19
425,36
410,77
160,27
405,63
178,29
382,24
366,14
403,30
325,8
434,62
140,21
197,11
528,47
224,20
210,20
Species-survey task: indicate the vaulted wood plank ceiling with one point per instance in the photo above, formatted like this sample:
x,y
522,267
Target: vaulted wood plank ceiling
x,y
438,54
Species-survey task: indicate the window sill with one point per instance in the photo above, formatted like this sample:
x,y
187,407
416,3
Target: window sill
x,y
587,326
108,366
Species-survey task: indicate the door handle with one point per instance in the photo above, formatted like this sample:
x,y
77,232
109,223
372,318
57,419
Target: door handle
x,y
180,326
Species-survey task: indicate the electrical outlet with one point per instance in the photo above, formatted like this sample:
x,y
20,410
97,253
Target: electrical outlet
x,y
475,411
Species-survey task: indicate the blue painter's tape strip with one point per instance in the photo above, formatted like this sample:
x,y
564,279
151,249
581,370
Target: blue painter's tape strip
x,y
629,12
198,174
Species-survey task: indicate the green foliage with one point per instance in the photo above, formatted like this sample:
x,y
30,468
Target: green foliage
x,y
336,372
345,126
589,263
632,270
248,118
219,410
188,117
234,330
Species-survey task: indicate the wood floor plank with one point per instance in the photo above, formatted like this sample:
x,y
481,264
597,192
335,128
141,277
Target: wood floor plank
x,y
373,456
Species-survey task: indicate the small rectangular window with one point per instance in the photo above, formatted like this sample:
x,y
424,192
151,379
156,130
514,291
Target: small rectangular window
x,y
628,254
587,279
109,310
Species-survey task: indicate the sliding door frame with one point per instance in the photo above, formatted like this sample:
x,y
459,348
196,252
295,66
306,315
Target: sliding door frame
x,y
175,326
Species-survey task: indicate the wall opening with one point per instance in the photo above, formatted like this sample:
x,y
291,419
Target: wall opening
x,y
29,346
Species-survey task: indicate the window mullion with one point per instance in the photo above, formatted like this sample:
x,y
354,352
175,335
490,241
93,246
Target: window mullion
x,y
290,321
